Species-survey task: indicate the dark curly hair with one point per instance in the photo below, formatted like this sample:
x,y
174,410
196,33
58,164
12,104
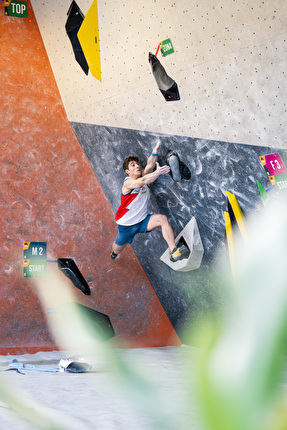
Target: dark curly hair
x,y
128,160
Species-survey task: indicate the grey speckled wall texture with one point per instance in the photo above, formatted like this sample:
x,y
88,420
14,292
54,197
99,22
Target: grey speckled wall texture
x,y
216,167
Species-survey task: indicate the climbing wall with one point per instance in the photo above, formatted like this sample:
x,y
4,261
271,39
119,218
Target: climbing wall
x,y
49,193
228,61
64,136
216,167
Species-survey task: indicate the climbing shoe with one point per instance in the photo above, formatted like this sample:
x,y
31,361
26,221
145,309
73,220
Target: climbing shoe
x,y
113,255
179,253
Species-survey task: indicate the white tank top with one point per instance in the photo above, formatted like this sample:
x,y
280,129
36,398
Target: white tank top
x,y
134,206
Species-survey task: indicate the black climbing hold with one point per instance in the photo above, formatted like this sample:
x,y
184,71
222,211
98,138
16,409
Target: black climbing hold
x,y
70,269
167,86
98,322
178,170
184,170
73,24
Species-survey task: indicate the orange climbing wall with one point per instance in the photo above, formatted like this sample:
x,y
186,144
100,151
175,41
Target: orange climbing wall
x,y
50,194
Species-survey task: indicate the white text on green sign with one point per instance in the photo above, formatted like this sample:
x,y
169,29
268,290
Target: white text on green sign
x,y
17,8
34,259
166,47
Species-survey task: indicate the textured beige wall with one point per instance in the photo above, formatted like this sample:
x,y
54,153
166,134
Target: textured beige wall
x,y
229,63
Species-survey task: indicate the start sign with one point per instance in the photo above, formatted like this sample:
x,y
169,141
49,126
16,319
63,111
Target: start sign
x,y
16,8
34,259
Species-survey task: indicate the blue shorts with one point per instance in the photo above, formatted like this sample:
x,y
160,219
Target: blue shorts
x,y
126,233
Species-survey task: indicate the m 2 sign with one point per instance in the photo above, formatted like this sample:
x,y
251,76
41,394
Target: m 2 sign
x,y
34,259
16,8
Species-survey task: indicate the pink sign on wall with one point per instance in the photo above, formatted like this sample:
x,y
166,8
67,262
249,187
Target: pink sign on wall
x,y
273,164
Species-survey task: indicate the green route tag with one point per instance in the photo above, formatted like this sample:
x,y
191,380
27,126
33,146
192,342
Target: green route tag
x,y
166,47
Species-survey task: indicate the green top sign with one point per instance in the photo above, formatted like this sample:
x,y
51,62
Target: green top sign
x,y
166,47
16,8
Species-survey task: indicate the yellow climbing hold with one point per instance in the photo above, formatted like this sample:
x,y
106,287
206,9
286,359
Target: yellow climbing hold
x,y
88,36
240,219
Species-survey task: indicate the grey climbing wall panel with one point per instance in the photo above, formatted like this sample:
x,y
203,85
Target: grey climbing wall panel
x,y
216,167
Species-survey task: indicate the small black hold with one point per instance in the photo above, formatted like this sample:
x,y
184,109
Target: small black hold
x,y
70,269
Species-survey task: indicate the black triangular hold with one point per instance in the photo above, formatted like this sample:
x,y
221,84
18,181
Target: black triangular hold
x,y
97,321
100,322
70,269
73,24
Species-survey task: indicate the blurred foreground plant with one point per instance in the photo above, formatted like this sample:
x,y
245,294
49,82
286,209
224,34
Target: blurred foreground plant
x,y
78,334
240,364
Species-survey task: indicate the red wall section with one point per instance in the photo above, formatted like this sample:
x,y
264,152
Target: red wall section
x,y
50,194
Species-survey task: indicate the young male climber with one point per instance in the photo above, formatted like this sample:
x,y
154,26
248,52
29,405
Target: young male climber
x,y
132,215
